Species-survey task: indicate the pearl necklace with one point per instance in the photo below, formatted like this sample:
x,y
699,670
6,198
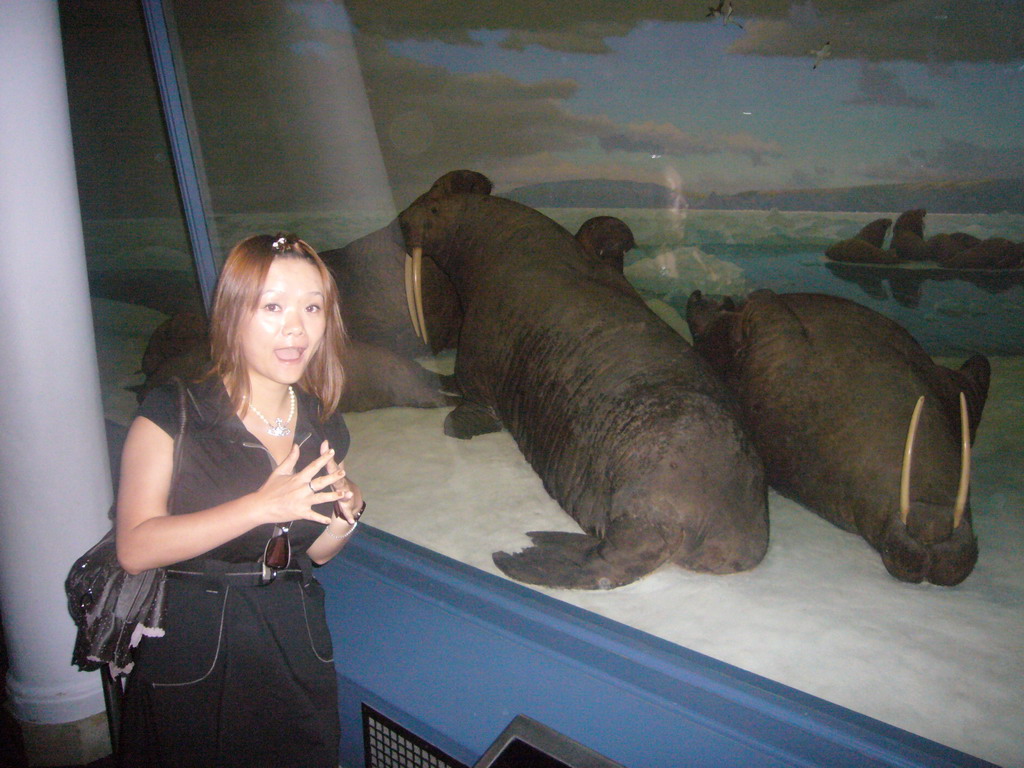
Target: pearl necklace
x,y
280,427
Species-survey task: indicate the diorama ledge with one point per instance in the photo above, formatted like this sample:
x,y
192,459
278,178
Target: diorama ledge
x,y
452,655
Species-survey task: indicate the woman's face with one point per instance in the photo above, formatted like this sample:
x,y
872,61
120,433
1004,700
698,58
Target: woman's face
x,y
284,332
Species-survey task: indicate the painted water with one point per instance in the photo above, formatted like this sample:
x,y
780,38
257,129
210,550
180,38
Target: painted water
x,y
820,613
734,252
678,251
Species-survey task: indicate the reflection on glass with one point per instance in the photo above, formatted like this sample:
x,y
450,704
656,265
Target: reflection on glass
x,y
280,110
138,257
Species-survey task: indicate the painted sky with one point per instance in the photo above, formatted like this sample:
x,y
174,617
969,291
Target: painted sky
x,y
538,90
916,90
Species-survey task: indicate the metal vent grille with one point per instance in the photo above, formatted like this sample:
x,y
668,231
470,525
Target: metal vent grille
x,y
386,744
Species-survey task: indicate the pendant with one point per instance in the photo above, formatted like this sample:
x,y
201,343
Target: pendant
x,y
279,429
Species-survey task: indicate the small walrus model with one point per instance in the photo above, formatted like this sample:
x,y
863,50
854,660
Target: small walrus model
x,y
855,421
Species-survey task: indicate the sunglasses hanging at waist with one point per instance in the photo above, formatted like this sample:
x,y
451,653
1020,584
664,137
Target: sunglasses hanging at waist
x,y
221,573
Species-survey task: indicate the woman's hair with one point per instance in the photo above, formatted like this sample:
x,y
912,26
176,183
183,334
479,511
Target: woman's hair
x,y
237,298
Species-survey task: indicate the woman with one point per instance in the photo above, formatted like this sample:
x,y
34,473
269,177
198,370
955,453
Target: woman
x,y
244,673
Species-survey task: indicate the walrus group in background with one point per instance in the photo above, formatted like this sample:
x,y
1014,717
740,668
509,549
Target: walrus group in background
x,y
955,250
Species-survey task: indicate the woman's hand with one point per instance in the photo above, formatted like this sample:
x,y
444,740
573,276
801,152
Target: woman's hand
x,y
350,499
348,506
288,495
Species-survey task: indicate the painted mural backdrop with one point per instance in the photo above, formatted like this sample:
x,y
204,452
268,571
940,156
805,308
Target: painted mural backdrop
x,y
745,95
738,139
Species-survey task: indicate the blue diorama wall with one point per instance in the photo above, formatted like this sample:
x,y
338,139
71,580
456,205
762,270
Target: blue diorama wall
x,y
453,654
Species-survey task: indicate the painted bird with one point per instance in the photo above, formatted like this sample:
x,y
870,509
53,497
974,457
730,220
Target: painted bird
x,y
821,54
725,10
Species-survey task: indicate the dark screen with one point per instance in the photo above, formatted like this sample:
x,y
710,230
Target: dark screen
x,y
519,754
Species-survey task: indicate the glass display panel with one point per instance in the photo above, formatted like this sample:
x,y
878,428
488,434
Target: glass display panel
x,y
279,109
745,145
137,251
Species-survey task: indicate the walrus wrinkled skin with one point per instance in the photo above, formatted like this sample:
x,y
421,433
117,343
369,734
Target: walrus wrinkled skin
x,y
629,430
827,388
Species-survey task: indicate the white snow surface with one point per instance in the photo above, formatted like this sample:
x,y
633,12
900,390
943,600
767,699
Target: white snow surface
x,y
820,613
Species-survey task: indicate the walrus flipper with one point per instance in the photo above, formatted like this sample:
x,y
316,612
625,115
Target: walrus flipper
x,y
579,561
448,385
471,419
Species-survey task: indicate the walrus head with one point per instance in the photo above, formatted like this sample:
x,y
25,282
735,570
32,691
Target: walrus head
x,y
606,239
451,183
714,329
928,541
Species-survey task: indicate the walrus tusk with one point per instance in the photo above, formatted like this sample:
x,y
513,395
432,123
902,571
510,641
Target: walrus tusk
x,y
417,292
965,464
410,295
908,459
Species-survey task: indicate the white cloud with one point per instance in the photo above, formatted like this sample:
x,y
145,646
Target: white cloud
x,y
928,31
430,121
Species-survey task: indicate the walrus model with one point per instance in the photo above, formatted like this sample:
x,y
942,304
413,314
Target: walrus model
x,y
606,238
629,430
908,236
410,307
855,421
866,247
396,308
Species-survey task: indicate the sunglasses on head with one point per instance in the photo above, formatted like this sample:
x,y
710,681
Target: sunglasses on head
x,y
277,554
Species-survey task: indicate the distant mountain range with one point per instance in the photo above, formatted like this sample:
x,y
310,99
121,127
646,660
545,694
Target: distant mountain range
x,y
990,196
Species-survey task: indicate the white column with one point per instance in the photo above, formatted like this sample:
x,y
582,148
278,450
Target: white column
x,y
54,475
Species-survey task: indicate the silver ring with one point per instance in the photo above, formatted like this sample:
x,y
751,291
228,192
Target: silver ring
x,y
311,488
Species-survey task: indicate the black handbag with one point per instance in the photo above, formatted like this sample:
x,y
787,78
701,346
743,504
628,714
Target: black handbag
x,y
114,609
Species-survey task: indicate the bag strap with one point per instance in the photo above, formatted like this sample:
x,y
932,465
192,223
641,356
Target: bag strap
x,y
179,441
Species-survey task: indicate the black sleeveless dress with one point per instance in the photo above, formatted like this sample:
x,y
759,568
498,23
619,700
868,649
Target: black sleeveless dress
x,y
244,674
